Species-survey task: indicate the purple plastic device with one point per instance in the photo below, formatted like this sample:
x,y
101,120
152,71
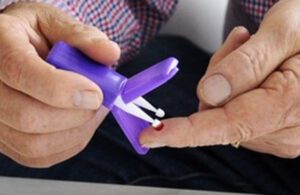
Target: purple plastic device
x,y
121,95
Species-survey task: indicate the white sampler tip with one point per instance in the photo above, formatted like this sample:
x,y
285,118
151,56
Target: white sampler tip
x,y
145,104
160,113
156,123
133,109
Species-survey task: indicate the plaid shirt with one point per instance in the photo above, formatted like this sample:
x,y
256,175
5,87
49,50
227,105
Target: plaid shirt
x,y
131,23
257,8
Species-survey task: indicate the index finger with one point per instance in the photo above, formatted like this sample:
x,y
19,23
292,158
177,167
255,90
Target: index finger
x,y
248,116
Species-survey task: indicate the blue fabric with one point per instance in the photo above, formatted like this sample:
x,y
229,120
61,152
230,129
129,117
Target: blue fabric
x,y
109,157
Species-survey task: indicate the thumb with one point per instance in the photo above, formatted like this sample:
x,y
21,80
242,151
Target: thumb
x,y
243,69
58,26
237,37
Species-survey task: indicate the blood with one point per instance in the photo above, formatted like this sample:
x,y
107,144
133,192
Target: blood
x,y
159,127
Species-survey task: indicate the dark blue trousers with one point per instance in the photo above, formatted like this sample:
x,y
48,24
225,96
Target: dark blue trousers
x,y
110,159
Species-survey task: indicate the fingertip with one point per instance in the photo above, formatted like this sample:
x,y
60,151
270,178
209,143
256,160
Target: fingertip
x,y
241,29
238,36
151,138
115,53
241,35
172,134
102,50
98,48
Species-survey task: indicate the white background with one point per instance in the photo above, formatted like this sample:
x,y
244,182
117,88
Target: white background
x,y
200,21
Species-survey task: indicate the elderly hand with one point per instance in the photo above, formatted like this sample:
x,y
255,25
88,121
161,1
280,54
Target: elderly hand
x,y
47,115
252,90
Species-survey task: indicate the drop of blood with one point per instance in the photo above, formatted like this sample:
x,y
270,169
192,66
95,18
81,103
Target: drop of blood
x,y
159,127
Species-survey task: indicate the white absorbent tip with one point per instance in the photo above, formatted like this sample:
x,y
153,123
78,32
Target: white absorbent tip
x,y
145,104
160,113
156,123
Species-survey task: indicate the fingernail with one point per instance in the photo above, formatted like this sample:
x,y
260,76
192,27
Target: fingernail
x,y
215,89
86,100
105,41
153,145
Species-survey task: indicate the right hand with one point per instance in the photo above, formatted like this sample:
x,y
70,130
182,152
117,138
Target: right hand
x,y
47,115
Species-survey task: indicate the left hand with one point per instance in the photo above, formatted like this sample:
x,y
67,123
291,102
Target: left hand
x,y
261,105
47,115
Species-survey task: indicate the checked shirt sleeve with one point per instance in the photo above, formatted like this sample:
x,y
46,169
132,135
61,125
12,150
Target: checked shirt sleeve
x,y
130,23
257,8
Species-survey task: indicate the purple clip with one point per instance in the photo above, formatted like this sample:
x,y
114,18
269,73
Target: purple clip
x,y
121,95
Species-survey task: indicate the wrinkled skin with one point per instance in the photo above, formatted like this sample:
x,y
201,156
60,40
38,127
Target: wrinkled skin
x,y
47,115
250,92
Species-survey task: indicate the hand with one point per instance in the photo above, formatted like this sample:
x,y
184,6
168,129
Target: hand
x,y
277,40
258,85
266,119
47,115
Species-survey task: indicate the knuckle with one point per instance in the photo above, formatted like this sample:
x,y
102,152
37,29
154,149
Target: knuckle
x,y
8,24
193,140
46,22
78,28
253,59
286,82
11,69
291,69
241,132
291,81
292,63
